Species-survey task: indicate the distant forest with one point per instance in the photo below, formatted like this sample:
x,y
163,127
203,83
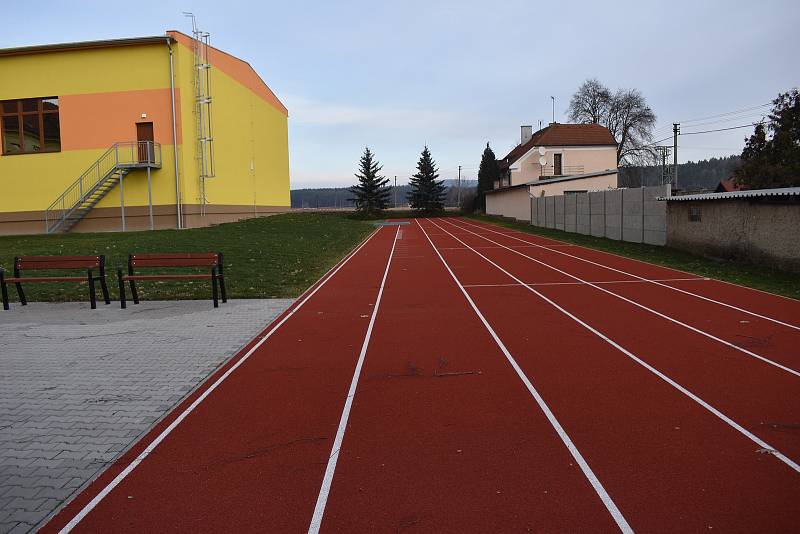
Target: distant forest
x,y
692,176
339,197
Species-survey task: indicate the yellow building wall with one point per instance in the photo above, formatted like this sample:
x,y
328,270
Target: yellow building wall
x,y
251,147
104,91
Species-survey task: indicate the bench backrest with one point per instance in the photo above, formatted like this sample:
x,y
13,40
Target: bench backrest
x,y
176,259
58,262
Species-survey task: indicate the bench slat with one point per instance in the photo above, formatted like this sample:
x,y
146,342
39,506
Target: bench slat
x,y
39,265
175,256
48,279
128,277
68,258
189,262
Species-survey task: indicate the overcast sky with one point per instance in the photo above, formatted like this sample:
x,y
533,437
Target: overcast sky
x,y
455,75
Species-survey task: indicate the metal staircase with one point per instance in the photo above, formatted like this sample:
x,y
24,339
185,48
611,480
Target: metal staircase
x,y
101,177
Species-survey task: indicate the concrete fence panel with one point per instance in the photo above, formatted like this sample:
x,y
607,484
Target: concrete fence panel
x,y
570,213
655,214
633,215
625,214
550,215
559,211
540,214
597,210
613,212
584,213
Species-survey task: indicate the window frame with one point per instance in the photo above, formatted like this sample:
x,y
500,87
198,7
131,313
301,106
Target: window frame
x,y
20,115
560,157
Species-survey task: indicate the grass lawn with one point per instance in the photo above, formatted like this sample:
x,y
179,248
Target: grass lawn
x,y
278,256
746,274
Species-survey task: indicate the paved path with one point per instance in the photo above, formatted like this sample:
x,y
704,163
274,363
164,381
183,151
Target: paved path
x,y
78,386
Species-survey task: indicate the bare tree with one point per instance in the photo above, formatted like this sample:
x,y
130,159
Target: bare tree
x,y
625,113
590,102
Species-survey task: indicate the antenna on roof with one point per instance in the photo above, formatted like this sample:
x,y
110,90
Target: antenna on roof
x,y
554,108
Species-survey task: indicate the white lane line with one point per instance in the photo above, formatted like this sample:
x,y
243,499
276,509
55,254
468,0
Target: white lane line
x,y
573,450
755,439
651,310
582,283
327,479
166,432
657,282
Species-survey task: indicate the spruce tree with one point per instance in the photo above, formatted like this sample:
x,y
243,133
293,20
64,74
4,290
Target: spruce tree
x,y
774,162
371,193
488,173
427,195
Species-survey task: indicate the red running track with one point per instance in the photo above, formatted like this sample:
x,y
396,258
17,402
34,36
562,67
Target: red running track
x,y
421,386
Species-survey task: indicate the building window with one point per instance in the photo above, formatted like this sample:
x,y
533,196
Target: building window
x,y
557,167
30,125
694,213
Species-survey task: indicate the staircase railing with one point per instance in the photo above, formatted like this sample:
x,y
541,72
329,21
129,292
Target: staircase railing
x,y
131,154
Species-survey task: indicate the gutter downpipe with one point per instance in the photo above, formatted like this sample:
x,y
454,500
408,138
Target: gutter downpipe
x,y
178,205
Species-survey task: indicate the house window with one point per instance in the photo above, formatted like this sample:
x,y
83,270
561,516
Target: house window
x,y
557,165
30,125
694,213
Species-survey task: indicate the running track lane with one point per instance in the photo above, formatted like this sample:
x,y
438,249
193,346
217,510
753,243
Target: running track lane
x,y
753,300
670,464
767,336
251,455
443,436
759,396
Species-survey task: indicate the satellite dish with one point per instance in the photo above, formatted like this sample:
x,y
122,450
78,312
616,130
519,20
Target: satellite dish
x,y
542,160
541,151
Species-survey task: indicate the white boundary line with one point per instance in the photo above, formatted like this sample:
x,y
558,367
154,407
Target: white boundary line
x,y
755,439
587,471
582,283
153,444
643,307
702,297
327,479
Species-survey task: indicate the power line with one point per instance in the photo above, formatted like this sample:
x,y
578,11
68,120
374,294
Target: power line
x,y
758,118
751,108
725,129
730,116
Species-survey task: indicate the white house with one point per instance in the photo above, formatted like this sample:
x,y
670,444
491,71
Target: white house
x,y
558,159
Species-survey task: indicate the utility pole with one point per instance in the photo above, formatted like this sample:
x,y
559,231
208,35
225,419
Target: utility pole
x,y
554,107
459,187
395,191
676,129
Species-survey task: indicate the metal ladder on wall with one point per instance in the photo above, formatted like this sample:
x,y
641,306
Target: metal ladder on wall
x,y
94,184
203,119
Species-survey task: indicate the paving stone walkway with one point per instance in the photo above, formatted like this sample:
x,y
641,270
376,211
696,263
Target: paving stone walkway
x,y
79,386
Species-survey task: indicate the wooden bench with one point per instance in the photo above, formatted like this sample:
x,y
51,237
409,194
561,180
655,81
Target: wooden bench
x,y
95,266
210,260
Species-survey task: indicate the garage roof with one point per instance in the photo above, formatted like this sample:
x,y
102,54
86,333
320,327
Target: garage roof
x,y
780,192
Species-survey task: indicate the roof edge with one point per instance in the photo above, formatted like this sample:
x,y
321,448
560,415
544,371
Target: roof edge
x,y
747,193
84,45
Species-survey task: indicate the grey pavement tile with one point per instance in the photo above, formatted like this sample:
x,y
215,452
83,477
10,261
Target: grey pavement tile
x,y
78,386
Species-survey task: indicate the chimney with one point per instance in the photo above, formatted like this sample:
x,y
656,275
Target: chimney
x,y
526,134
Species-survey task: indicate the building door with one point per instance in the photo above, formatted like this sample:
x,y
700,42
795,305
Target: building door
x,y
144,136
557,165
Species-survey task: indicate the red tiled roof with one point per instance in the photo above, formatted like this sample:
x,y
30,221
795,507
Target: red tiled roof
x,y
563,135
728,185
